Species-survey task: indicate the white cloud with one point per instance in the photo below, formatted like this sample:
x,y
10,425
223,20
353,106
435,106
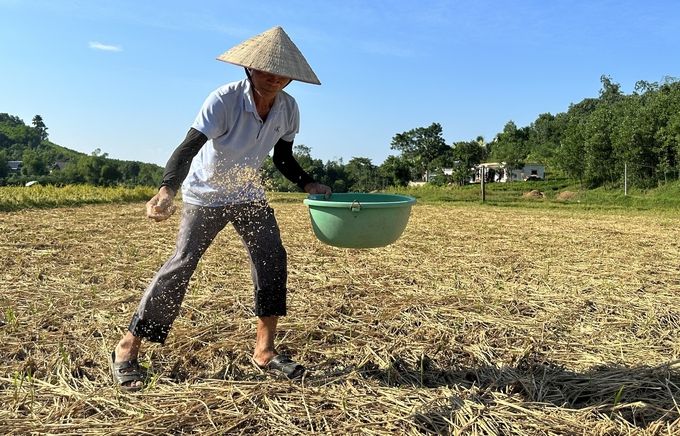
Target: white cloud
x,y
104,47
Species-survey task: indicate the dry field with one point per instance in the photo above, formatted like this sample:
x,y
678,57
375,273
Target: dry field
x,y
479,320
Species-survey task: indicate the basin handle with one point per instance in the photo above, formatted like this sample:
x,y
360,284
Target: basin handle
x,y
356,206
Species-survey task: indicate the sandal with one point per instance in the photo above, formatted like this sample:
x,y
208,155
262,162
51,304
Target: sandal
x,y
282,364
125,373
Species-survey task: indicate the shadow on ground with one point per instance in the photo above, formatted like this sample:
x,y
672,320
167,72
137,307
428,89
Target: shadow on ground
x,y
641,395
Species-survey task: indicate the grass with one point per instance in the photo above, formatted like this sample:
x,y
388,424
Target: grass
x,y
556,193
536,321
553,194
14,198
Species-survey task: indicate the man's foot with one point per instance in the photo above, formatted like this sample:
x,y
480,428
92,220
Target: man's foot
x,y
281,364
127,374
262,358
265,356
124,365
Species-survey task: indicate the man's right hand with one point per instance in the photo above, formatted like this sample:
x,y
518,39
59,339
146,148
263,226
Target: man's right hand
x,y
160,206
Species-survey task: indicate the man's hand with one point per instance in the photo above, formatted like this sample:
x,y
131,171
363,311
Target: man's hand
x,y
318,188
160,206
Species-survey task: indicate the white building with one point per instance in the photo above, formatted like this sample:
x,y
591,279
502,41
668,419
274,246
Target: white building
x,y
498,172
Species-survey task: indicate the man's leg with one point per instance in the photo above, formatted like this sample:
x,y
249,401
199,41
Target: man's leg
x,y
128,347
162,299
264,344
257,227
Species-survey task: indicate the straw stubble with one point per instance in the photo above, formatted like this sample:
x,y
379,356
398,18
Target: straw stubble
x,y
477,321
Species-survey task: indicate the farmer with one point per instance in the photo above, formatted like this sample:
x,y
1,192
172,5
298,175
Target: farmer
x,y
217,162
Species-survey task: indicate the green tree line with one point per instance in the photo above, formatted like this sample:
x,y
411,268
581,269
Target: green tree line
x,y
49,163
597,139
593,142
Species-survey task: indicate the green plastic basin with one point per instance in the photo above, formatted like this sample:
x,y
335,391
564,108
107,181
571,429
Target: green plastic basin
x,y
358,220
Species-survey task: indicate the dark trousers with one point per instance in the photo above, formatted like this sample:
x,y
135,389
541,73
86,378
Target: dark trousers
x,y
255,224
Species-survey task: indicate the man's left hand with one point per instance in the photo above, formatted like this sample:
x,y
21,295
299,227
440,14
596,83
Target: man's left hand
x,y
318,188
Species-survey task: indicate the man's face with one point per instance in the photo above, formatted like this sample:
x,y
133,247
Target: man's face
x,y
268,83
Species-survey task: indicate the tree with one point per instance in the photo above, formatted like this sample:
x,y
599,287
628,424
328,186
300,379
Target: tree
x,y
4,140
361,174
598,154
510,146
40,127
335,175
664,105
544,138
610,91
396,171
18,133
89,168
466,155
4,169
129,171
109,174
150,175
569,155
274,180
313,167
421,146
33,164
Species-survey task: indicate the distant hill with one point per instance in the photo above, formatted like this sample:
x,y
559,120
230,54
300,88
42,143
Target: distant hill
x,y
27,154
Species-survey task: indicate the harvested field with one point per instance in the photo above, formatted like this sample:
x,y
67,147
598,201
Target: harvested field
x,y
479,320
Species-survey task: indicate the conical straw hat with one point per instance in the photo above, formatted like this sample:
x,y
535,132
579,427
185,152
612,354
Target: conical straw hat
x,y
273,52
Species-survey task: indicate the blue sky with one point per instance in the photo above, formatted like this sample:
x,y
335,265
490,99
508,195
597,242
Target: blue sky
x,y
128,77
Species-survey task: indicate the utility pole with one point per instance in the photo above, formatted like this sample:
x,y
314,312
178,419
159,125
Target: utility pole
x,y
625,179
483,185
